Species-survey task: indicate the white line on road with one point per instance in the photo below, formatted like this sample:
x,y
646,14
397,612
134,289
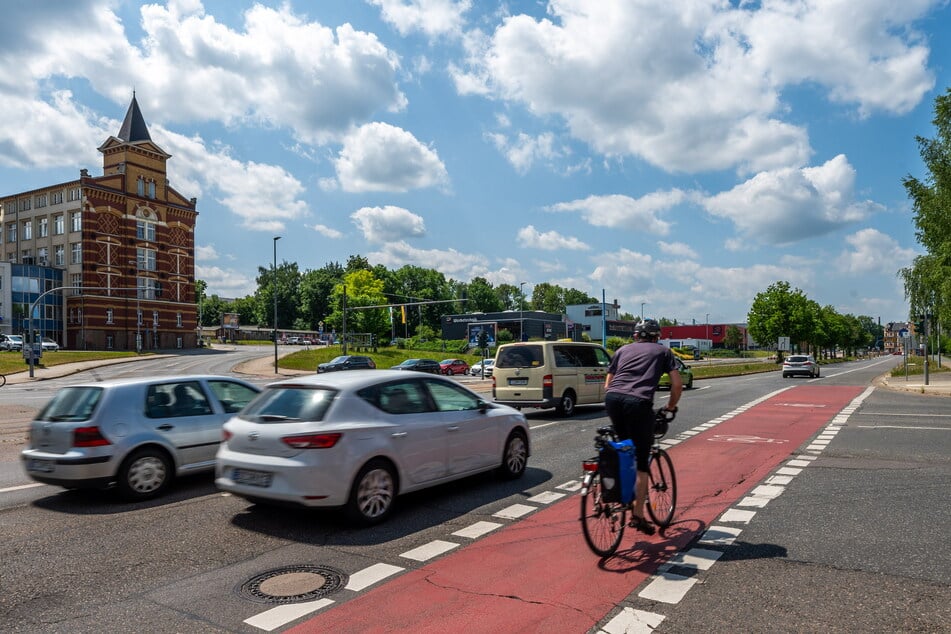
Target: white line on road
x,y
903,427
22,486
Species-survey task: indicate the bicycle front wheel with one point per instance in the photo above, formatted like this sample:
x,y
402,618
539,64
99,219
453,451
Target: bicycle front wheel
x,y
602,522
662,489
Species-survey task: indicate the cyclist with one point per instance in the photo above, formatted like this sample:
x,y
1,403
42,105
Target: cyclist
x,y
630,385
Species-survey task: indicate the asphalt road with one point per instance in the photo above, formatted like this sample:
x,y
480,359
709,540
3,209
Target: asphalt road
x,y
855,542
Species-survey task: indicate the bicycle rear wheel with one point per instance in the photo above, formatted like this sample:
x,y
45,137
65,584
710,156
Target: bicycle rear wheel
x,y
662,488
602,522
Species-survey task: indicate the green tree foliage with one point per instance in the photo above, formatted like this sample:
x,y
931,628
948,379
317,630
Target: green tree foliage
x,y
362,289
316,289
509,296
928,280
573,297
287,278
733,338
781,312
482,297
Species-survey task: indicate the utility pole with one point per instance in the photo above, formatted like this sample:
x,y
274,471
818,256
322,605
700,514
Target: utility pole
x,y
274,291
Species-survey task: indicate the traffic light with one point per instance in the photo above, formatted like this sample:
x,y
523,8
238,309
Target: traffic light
x,y
483,339
919,325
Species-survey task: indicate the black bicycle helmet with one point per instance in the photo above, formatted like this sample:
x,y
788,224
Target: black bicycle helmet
x,y
647,329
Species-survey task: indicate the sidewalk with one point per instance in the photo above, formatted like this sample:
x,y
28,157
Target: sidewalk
x,y
939,384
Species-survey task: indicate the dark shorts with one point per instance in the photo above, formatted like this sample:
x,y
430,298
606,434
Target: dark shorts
x,y
632,418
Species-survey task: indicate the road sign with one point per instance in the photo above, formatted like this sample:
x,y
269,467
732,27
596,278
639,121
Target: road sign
x,y
903,333
783,344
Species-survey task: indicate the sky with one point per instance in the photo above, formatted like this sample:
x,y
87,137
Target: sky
x,y
678,157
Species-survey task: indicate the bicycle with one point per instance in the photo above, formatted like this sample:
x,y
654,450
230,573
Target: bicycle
x,y
3,380
602,522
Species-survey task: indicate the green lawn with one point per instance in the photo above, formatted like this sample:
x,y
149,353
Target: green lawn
x,y
11,362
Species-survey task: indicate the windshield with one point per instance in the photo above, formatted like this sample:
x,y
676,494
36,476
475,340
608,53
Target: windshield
x,y
797,359
520,356
338,359
72,404
289,403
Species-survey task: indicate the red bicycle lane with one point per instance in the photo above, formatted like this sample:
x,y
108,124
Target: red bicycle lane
x,y
539,575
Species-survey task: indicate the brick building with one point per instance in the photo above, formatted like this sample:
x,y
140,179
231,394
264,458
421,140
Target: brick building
x,y
125,241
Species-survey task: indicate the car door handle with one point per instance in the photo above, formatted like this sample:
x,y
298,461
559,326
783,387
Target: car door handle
x,y
453,428
165,427
399,434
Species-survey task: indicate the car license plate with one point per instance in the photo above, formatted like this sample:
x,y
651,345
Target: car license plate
x,y
252,477
42,466
518,381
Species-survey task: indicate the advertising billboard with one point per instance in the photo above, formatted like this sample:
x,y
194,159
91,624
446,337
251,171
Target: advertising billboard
x,y
477,327
230,321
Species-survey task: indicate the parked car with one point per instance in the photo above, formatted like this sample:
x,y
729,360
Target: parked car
x,y
419,365
686,376
49,345
800,364
476,368
450,367
12,343
347,362
360,439
137,434
293,341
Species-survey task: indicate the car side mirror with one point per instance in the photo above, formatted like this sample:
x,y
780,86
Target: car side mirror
x,y
483,406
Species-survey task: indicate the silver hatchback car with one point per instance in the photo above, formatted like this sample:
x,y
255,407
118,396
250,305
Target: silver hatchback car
x,y
135,433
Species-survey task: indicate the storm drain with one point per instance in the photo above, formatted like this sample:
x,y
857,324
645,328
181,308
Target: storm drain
x,y
293,584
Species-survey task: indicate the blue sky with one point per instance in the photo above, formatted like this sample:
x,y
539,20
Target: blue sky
x,y
681,154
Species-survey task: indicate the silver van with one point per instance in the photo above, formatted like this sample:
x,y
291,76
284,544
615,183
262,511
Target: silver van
x,y
545,374
135,433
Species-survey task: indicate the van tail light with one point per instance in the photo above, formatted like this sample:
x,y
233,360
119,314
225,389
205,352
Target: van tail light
x,y
226,435
547,381
312,441
89,437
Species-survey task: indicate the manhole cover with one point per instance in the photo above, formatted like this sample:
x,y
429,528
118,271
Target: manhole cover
x,y
293,584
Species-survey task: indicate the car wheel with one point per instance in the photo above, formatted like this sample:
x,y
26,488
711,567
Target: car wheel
x,y
145,474
785,376
567,406
449,372
817,372
373,493
515,456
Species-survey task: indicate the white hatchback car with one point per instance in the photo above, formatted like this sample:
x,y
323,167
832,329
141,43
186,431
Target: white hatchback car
x,y
359,439
800,364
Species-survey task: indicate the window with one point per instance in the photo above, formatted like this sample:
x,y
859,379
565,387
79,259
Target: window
x,y
151,189
59,225
449,398
56,198
147,288
76,221
76,281
109,315
140,186
233,396
59,255
145,230
176,399
43,227
145,259
178,320
76,253
155,318
24,204
27,229
398,398
72,194
41,201
43,256
108,342
138,317
11,232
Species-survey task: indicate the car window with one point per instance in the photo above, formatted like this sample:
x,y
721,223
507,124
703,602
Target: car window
x,y
520,357
233,396
797,358
400,397
170,400
602,356
452,398
72,404
289,402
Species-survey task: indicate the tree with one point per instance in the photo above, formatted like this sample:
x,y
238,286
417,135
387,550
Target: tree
x,y
315,290
573,297
781,312
928,280
733,338
288,282
362,289
482,297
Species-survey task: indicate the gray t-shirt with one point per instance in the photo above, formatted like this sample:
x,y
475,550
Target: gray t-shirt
x,y
637,368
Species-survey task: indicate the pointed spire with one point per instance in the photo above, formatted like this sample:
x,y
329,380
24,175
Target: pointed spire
x,y
133,127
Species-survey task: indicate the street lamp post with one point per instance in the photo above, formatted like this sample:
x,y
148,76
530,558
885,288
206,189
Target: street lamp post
x,y
707,321
642,310
521,312
274,291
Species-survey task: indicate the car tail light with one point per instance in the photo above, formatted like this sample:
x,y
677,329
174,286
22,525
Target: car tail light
x,y
547,381
372,365
312,441
226,435
89,437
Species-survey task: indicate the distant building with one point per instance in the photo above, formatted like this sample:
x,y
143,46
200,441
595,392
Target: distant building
x,y
535,324
714,332
124,244
896,334
599,321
